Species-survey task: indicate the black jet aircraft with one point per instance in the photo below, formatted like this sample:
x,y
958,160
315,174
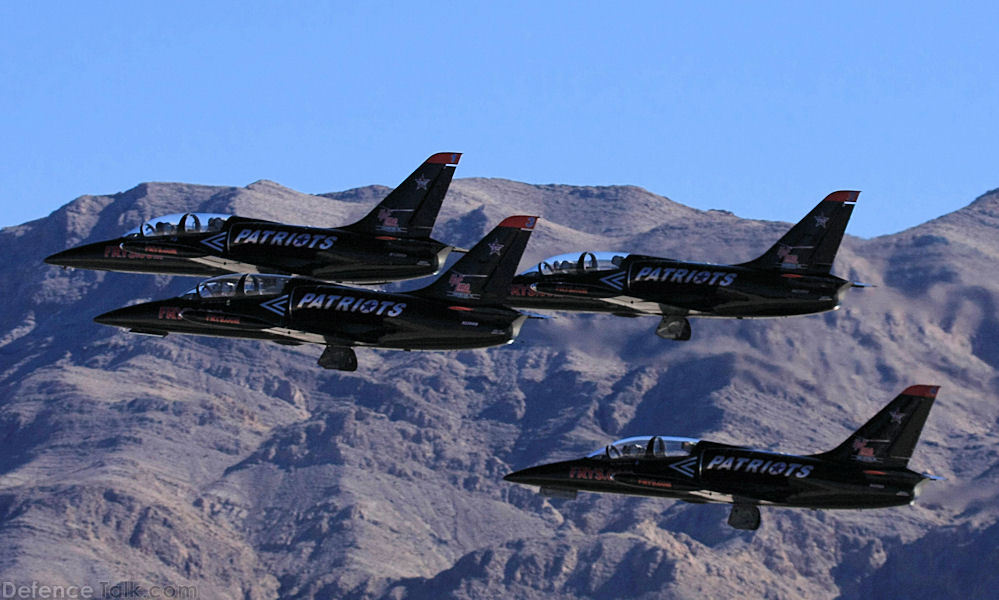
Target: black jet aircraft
x,y
868,470
463,308
791,278
391,243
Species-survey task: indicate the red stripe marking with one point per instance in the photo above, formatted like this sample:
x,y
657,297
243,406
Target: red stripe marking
x,y
520,222
923,391
842,196
445,158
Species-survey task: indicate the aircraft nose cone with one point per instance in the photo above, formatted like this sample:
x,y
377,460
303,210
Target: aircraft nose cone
x,y
88,256
534,475
68,258
131,316
117,318
110,318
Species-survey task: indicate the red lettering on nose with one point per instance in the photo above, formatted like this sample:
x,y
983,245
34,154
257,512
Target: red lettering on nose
x,y
170,313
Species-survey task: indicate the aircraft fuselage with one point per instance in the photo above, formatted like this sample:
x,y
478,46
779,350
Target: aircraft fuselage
x,y
253,246
326,314
659,286
721,473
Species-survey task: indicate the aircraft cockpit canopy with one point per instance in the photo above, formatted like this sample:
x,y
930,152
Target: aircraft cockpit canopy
x,y
648,446
180,223
571,264
229,286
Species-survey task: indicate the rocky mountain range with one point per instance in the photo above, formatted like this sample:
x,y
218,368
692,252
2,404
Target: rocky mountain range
x,y
244,470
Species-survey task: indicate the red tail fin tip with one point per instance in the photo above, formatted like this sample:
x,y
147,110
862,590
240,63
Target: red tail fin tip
x,y
519,222
445,158
922,391
842,196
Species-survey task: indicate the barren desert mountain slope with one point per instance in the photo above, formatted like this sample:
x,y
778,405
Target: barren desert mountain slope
x,y
245,470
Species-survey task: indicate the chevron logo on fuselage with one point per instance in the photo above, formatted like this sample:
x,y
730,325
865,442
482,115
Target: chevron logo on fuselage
x,y
278,305
216,242
614,280
685,467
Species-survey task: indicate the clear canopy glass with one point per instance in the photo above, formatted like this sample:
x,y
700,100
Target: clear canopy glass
x,y
180,223
228,286
569,264
648,446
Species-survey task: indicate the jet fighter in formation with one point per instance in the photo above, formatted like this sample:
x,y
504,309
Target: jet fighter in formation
x,y
868,470
391,243
791,278
279,282
463,308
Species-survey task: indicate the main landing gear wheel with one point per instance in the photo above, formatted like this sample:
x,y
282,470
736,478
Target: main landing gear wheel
x,y
338,358
744,516
674,328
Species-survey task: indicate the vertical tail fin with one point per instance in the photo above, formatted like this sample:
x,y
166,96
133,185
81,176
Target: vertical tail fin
x,y
484,274
890,436
811,245
410,210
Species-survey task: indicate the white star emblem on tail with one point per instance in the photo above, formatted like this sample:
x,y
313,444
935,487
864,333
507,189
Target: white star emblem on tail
x,y
421,182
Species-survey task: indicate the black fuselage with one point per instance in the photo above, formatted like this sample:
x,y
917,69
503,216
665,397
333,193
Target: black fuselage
x,y
326,314
254,246
658,286
721,473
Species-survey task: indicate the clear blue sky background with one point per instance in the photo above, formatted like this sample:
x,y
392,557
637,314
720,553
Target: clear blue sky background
x,y
757,108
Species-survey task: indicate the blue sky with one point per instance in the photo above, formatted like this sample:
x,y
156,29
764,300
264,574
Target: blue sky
x,y
757,108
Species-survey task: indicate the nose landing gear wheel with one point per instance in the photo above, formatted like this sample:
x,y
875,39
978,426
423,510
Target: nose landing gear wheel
x,y
674,328
338,358
744,516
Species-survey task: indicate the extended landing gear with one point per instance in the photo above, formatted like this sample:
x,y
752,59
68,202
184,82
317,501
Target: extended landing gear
x,y
338,358
674,328
744,516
